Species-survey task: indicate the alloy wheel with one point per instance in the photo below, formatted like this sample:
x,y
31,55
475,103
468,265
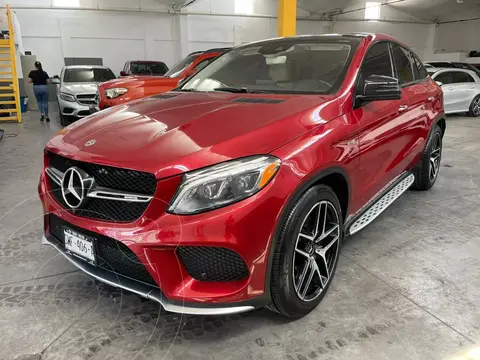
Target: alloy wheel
x,y
316,251
476,107
435,156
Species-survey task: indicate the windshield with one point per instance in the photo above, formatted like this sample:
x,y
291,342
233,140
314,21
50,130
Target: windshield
x,y
154,68
466,66
281,66
440,64
88,75
180,67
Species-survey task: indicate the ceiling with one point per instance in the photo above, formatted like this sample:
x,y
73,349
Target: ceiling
x,y
430,10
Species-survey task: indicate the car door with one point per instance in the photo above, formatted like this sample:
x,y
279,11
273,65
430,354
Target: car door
x,y
464,86
380,127
446,79
423,99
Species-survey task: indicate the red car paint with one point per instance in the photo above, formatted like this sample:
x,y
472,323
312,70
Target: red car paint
x,y
371,145
143,86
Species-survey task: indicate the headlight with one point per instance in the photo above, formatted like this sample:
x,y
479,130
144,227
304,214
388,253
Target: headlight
x,y
67,97
223,184
114,93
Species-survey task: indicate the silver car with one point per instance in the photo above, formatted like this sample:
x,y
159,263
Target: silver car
x,y
77,90
461,90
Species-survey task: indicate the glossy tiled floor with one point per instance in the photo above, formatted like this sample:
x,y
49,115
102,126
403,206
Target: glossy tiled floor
x,y
407,287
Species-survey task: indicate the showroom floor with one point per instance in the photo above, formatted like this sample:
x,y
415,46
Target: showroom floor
x,y
407,287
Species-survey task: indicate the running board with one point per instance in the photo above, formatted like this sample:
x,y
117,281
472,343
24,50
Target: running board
x,y
381,205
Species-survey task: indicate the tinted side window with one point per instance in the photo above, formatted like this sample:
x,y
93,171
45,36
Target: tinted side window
x,y
461,77
444,78
403,65
377,61
202,64
422,72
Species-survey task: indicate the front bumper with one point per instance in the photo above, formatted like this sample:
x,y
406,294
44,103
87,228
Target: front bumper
x,y
148,292
246,228
74,109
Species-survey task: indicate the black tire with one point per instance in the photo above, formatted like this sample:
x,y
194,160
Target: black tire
x,y
474,110
284,294
63,119
424,179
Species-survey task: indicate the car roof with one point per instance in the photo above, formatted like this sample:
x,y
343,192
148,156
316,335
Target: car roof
x,y
438,70
352,35
146,61
85,67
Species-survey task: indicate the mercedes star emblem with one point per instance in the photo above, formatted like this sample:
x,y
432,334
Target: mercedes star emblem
x,y
75,184
90,142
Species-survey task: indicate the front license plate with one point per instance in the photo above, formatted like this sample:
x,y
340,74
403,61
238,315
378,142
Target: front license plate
x,y
79,245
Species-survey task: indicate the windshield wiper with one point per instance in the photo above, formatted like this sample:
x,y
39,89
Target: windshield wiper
x,y
243,90
185,90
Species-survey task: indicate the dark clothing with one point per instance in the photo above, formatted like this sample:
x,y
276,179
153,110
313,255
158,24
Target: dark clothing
x,y
39,77
41,94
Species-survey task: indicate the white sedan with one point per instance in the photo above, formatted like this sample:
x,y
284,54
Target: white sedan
x,y
461,90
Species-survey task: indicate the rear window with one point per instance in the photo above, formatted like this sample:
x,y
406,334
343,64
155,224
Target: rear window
x,y
143,68
442,64
281,66
88,75
181,66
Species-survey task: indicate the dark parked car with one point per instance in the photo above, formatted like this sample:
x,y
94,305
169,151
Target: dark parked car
x,y
144,68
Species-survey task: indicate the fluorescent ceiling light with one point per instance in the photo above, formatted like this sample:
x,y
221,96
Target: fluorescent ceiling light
x,y
372,10
66,3
244,7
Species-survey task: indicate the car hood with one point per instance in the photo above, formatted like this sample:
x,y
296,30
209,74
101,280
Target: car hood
x,y
76,88
168,136
132,81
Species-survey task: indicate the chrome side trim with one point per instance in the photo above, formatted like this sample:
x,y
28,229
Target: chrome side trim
x,y
55,175
381,205
109,194
144,290
100,192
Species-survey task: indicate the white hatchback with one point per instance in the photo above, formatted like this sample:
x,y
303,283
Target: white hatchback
x,y
461,90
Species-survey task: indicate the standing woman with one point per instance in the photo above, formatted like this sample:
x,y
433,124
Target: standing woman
x,y
40,79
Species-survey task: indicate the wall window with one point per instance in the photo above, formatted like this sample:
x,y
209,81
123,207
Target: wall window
x,y
66,3
372,10
244,7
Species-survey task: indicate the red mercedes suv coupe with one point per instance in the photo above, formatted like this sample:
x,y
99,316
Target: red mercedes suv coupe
x,y
235,191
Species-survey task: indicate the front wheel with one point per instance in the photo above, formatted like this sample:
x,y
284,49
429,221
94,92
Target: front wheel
x,y
427,171
306,253
474,110
63,119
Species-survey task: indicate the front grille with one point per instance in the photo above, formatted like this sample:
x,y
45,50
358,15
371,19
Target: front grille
x,y
87,99
110,177
209,263
112,255
107,176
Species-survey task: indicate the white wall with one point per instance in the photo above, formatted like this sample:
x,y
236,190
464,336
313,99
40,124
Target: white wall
x,y
458,37
113,36
121,30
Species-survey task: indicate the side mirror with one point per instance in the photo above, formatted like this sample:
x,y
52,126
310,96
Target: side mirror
x,y
56,80
379,87
439,83
124,73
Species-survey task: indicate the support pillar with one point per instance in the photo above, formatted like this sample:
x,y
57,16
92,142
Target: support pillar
x,y
287,18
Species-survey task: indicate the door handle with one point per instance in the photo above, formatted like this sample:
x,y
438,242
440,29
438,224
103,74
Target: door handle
x,y
403,108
